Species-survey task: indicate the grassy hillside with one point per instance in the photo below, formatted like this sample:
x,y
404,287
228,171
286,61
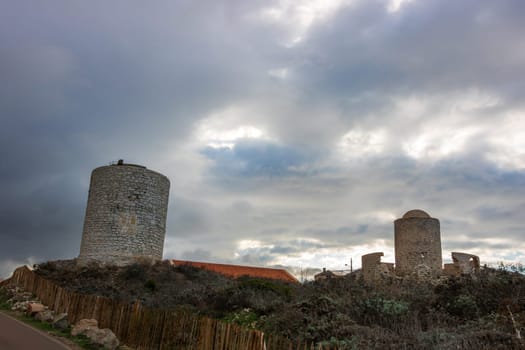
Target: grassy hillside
x,y
452,313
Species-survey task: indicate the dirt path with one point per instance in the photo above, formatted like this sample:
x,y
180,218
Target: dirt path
x,y
15,335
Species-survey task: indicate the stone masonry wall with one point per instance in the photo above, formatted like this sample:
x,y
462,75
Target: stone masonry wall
x,y
125,215
417,245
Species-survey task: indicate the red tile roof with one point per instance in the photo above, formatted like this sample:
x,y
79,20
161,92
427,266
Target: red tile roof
x,y
236,271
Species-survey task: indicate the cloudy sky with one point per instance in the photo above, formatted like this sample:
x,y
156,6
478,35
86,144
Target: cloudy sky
x,y
293,132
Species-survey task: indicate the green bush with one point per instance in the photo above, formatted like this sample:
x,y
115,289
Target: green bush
x,y
134,272
385,307
340,344
192,273
245,317
463,306
4,297
150,285
279,288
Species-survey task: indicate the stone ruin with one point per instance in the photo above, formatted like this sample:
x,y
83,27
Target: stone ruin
x,y
417,244
373,269
462,263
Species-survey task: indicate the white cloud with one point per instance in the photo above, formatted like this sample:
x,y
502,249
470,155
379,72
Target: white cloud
x,y
358,143
438,141
396,5
298,16
279,73
7,267
382,216
226,127
507,139
249,244
336,258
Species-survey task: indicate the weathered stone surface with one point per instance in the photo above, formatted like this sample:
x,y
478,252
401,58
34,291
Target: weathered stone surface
x,y
20,299
83,325
20,306
104,337
125,216
467,263
60,321
45,316
373,269
89,327
33,308
422,272
417,239
19,295
416,213
462,263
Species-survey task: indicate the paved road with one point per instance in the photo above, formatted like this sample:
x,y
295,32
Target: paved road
x,y
15,335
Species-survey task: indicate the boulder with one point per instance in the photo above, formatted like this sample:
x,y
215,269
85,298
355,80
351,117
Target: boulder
x,y
20,306
45,316
33,308
20,296
60,321
23,305
104,337
83,325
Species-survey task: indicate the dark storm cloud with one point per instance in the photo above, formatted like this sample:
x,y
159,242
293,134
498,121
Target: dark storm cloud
x,y
85,84
40,220
428,46
197,255
189,217
364,59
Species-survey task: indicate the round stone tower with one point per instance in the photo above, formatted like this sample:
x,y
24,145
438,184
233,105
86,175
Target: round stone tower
x,y
125,215
417,241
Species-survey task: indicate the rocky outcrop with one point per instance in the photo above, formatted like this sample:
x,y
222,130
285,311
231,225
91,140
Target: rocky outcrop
x,y
20,299
104,337
45,316
83,326
34,308
60,321
89,327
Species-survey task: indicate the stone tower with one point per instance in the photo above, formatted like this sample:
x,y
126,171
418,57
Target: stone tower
x,y
417,241
125,215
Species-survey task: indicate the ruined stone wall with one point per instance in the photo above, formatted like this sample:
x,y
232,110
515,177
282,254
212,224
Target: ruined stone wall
x,y
373,269
462,263
125,215
417,243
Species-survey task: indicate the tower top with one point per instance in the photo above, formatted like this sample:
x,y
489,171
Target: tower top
x,y
415,213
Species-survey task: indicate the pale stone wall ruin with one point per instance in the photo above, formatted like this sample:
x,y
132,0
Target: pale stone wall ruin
x,y
373,269
125,216
462,263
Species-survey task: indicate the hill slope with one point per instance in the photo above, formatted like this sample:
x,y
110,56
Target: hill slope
x,y
452,313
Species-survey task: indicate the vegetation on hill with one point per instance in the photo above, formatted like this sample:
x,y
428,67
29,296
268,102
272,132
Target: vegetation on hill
x,y
482,312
